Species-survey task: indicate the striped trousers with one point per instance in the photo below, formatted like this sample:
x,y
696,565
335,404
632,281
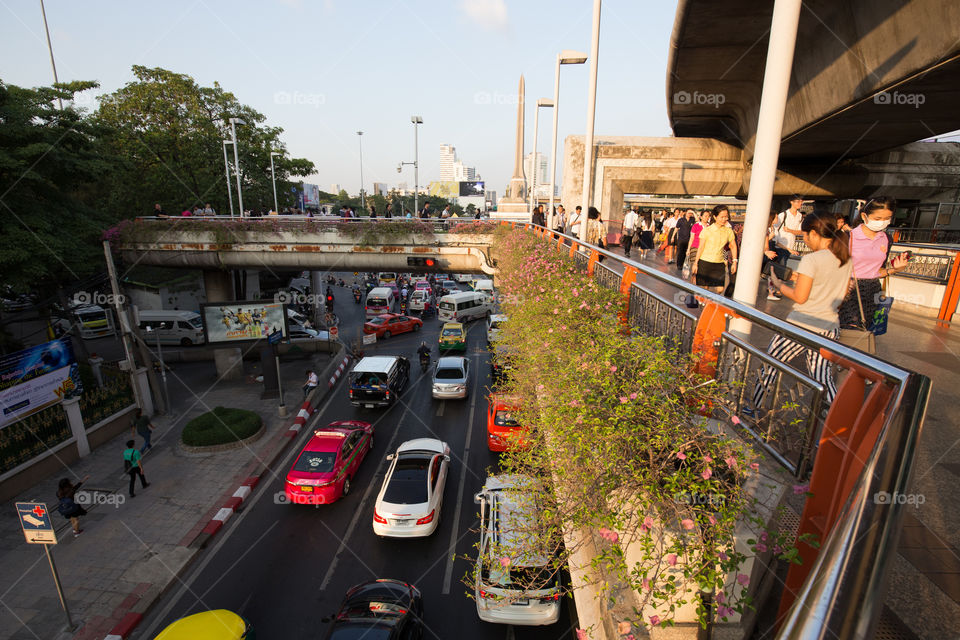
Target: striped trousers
x,y
785,350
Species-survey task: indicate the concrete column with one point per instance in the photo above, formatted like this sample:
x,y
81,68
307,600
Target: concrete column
x,y
143,385
219,287
71,406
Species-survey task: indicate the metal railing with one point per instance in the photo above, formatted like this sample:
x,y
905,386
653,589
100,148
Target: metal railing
x,y
843,595
924,264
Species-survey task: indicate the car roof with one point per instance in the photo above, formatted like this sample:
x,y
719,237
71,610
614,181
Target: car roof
x,y
451,362
502,400
499,317
326,440
375,364
423,444
385,316
452,325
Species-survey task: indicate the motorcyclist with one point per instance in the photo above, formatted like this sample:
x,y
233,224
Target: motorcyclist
x,y
423,351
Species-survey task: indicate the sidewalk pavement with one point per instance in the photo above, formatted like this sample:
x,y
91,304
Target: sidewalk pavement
x,y
131,549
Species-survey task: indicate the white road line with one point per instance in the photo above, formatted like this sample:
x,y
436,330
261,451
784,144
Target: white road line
x,y
443,403
348,535
454,533
510,635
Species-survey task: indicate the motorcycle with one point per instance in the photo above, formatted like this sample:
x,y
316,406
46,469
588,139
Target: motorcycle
x,y
424,362
341,283
356,295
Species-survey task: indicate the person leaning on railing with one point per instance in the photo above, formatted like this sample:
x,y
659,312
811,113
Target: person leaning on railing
x,y
822,279
869,250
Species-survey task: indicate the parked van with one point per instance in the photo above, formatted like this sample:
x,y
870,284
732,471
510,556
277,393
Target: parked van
x,y
485,287
377,381
464,306
172,327
379,301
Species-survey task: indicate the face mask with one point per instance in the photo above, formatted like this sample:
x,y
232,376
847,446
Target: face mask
x,y
877,225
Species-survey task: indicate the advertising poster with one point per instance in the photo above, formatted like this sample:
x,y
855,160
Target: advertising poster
x,y
443,189
311,195
472,188
36,378
242,321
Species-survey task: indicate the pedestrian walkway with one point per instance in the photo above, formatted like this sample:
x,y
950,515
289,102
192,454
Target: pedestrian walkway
x,y
924,589
129,545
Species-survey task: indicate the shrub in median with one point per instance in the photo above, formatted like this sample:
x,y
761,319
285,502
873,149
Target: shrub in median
x,y
220,426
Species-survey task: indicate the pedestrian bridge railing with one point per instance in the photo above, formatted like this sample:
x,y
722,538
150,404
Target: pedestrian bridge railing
x,y
857,447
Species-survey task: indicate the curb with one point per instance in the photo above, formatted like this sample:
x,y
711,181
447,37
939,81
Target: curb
x,y
143,598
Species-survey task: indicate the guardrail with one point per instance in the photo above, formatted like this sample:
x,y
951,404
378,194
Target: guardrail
x,y
861,445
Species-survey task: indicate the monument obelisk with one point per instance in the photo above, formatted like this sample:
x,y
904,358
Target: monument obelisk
x,y
515,204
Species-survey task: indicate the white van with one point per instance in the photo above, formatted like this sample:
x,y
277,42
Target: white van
x,y
379,300
494,323
464,306
171,327
485,287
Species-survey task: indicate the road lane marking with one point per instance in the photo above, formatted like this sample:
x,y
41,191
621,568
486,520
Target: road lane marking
x,y
452,547
443,403
510,635
348,535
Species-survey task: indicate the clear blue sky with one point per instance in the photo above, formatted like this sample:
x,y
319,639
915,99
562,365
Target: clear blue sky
x,y
324,69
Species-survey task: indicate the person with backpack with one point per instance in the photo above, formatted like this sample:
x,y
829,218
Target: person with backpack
x,y
141,425
68,508
133,465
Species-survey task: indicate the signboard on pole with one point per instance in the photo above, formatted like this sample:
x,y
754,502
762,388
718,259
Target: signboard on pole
x,y
36,378
311,195
238,322
35,520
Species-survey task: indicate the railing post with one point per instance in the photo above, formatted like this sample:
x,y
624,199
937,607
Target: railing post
x,y
706,338
573,247
950,294
626,282
559,242
594,256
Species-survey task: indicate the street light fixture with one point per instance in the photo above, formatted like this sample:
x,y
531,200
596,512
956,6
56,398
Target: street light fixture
x,y
535,166
163,368
591,120
236,159
363,202
273,178
226,171
567,56
416,165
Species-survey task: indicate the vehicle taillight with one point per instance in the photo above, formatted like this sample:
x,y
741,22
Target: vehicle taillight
x,y
387,395
550,598
427,519
484,594
351,393
378,518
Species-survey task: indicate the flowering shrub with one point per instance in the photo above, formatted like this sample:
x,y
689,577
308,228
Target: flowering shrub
x,y
614,421
475,227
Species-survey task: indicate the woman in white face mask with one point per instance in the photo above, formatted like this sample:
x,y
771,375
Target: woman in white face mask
x,y
869,249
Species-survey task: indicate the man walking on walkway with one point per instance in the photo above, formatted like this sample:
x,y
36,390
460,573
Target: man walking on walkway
x,y
143,427
626,231
133,465
684,226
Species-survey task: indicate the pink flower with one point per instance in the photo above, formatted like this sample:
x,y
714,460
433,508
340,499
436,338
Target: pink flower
x,y
760,547
721,597
743,579
672,559
623,399
711,519
723,556
755,466
633,396
763,536
623,627
735,420
613,369
582,635
646,584
777,549
654,620
539,387
608,534
706,473
724,611
505,561
707,459
556,311
731,462
799,489
687,523
681,456
647,524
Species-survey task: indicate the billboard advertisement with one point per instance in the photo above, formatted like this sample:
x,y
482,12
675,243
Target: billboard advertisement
x,y
472,188
36,378
245,321
311,195
444,189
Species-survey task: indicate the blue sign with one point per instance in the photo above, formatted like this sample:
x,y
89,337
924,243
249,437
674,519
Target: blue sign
x,y
35,520
275,337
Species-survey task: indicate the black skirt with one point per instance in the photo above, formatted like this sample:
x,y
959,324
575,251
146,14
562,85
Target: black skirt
x,y
711,274
646,239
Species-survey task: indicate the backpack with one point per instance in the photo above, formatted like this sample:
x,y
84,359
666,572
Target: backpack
x,y
67,507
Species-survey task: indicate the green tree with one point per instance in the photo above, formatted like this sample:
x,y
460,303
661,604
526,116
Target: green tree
x,y
170,132
52,169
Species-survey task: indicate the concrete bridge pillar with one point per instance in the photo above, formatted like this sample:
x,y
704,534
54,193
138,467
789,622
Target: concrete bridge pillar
x,y
219,287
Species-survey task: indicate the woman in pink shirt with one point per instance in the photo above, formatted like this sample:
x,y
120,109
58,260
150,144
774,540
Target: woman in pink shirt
x,y
869,247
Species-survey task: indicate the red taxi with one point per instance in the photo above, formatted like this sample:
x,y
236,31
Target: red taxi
x,y
324,469
390,324
504,432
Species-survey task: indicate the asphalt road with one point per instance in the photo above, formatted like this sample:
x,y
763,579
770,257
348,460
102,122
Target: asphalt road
x,y
286,567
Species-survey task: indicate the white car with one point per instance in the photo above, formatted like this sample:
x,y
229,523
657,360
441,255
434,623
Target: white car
x,y
298,333
494,323
408,505
525,590
451,378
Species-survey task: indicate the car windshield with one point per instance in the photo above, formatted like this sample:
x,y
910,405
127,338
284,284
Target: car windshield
x,y
197,323
505,419
316,461
449,374
375,321
376,302
529,578
366,379
408,485
452,332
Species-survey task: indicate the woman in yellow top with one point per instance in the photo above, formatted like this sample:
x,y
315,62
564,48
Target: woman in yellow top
x,y
710,265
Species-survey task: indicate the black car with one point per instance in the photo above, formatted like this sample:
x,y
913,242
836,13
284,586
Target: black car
x,y
382,609
377,381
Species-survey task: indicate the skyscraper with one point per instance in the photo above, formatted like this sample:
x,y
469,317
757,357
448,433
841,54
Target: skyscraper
x,y
448,156
542,169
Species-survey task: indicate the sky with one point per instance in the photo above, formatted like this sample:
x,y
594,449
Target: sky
x,y
325,69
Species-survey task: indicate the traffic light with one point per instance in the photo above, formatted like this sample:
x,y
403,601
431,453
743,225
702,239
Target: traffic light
x,y
428,263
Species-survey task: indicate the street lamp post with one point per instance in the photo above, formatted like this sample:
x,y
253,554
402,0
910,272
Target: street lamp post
x,y
53,63
163,369
363,202
236,160
226,171
416,165
566,56
591,119
542,102
273,178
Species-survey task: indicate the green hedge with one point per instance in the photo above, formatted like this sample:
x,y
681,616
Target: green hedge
x,y
221,426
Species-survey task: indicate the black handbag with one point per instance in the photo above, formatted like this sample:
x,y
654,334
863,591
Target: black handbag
x,y
859,337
